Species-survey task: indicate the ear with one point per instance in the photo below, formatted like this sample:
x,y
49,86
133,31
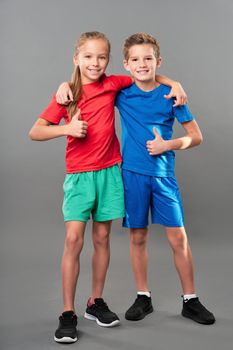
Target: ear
x,y
126,65
75,60
159,62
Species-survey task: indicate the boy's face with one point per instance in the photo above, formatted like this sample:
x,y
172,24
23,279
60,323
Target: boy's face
x,y
142,63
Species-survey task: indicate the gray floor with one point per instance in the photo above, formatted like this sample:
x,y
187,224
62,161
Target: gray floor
x,y
31,295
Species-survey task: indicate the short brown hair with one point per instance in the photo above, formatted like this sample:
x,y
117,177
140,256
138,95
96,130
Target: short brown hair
x,y
139,39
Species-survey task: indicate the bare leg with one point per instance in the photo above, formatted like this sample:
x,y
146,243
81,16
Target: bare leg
x,y
139,257
70,261
101,256
182,257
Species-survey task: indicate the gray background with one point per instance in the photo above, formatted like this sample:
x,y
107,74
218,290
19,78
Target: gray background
x,y
37,40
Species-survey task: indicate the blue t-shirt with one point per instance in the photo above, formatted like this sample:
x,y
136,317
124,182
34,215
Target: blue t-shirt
x,y
140,112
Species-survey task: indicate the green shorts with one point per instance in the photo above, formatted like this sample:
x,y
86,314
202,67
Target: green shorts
x,y
99,193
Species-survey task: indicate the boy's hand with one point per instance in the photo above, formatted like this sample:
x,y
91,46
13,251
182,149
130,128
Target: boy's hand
x,y
77,127
64,94
178,93
156,146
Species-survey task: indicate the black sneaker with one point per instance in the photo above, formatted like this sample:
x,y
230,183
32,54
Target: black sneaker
x,y
140,308
67,331
194,309
100,313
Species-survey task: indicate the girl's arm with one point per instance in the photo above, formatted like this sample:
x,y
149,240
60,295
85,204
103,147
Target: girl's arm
x,y
43,130
176,90
192,138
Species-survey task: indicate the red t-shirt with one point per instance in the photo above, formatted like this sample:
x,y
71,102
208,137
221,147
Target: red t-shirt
x,y
100,148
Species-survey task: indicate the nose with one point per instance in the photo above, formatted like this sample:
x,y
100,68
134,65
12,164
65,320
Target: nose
x,y
95,61
142,63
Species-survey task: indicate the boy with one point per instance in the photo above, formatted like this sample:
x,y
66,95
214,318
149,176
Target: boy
x,y
148,166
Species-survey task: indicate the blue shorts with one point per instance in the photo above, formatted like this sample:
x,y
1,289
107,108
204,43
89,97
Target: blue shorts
x,y
143,193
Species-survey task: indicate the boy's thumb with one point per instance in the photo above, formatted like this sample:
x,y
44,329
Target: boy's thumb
x,y
155,132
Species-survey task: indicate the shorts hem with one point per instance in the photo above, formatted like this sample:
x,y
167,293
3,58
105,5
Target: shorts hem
x,y
134,226
167,225
108,218
76,219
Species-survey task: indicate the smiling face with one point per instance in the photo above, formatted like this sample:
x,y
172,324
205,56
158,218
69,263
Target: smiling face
x,y
92,58
142,63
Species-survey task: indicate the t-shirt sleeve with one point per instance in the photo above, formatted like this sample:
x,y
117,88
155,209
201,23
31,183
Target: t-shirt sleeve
x,y
182,114
54,112
121,81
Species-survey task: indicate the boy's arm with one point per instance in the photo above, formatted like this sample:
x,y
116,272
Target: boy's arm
x,y
64,94
176,90
43,130
192,138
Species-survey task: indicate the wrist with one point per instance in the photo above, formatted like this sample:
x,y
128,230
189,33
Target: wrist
x,y
168,145
64,130
175,83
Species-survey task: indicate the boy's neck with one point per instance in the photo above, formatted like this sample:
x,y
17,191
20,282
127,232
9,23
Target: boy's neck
x,y
147,85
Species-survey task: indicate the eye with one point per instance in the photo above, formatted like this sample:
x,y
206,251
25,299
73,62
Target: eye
x,y
103,57
134,59
149,58
87,56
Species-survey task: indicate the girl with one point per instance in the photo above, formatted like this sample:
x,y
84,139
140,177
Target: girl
x,y
93,183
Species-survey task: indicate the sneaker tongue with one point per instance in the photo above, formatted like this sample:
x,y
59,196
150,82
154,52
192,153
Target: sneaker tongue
x,y
68,313
99,301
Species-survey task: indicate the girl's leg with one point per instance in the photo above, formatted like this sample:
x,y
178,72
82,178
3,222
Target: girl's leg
x,y
101,256
182,257
70,261
139,256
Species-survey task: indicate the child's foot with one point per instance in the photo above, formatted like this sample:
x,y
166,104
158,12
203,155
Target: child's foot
x,y
67,331
194,310
140,308
100,313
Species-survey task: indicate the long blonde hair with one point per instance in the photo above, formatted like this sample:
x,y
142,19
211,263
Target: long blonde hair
x,y
76,83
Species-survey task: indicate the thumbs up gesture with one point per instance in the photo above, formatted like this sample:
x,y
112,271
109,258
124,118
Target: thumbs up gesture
x,y
77,127
156,146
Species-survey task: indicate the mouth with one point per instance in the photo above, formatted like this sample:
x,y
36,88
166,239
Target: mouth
x,y
93,70
142,71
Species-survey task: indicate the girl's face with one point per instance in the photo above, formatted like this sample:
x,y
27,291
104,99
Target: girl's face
x,y
92,59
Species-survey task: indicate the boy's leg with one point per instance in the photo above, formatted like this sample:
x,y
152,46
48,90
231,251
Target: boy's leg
x,y
182,257
139,257
142,306
192,308
70,261
101,256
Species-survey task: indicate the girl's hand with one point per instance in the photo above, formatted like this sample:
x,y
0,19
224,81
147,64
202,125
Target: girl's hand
x,y
77,127
178,93
64,94
156,146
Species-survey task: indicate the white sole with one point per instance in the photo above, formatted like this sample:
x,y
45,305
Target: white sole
x,y
65,340
93,318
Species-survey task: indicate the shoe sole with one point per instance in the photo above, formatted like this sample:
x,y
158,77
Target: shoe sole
x,y
196,319
65,340
140,317
93,318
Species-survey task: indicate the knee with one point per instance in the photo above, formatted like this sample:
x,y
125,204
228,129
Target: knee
x,y
179,242
73,240
101,238
138,240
